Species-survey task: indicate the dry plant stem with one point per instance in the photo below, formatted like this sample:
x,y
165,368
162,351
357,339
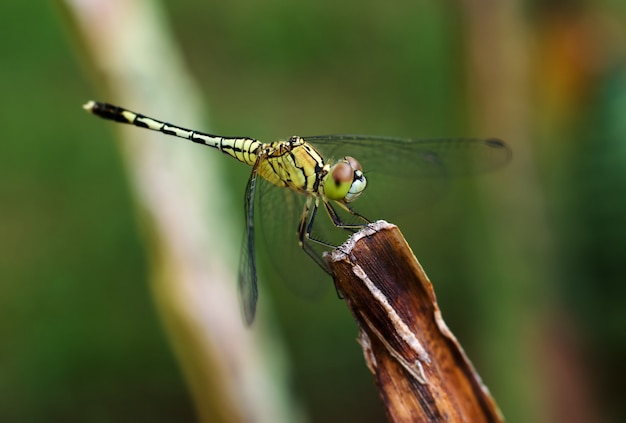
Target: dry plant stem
x,y
234,374
421,371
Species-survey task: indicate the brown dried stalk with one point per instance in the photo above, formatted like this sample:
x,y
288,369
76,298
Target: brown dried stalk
x,y
421,371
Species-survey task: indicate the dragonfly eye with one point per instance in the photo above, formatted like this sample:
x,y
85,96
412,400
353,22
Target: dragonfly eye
x,y
354,163
345,181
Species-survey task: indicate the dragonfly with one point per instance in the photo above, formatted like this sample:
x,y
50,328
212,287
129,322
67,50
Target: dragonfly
x,y
309,167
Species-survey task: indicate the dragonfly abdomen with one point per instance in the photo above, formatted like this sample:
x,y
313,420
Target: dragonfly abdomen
x,y
243,149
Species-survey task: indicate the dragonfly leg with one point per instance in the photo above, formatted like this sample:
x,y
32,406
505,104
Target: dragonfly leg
x,y
305,228
338,222
304,234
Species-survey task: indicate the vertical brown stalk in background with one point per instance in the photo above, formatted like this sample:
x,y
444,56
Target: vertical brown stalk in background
x,y
517,247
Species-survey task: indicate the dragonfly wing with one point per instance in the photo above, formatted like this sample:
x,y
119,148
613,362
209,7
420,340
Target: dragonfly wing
x,y
279,212
406,175
247,281
417,158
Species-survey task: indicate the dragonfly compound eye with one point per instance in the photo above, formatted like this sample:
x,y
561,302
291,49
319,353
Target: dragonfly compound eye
x,y
354,163
346,181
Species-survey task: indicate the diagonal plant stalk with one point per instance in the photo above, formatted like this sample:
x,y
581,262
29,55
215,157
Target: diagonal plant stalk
x,y
421,371
191,233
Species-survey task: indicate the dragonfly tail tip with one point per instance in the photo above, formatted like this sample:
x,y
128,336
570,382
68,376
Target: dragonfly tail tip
x,y
89,105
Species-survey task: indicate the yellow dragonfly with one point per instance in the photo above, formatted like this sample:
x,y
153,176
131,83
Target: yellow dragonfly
x,y
299,165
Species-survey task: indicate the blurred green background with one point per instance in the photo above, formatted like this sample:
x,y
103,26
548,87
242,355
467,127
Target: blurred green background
x,y
541,315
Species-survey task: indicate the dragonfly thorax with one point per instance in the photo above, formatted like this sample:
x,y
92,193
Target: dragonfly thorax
x,y
345,180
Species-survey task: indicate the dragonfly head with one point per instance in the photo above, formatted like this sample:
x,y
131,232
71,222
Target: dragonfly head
x,y
345,180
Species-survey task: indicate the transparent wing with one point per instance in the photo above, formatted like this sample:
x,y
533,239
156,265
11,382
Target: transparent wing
x,y
279,211
404,175
416,158
247,281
